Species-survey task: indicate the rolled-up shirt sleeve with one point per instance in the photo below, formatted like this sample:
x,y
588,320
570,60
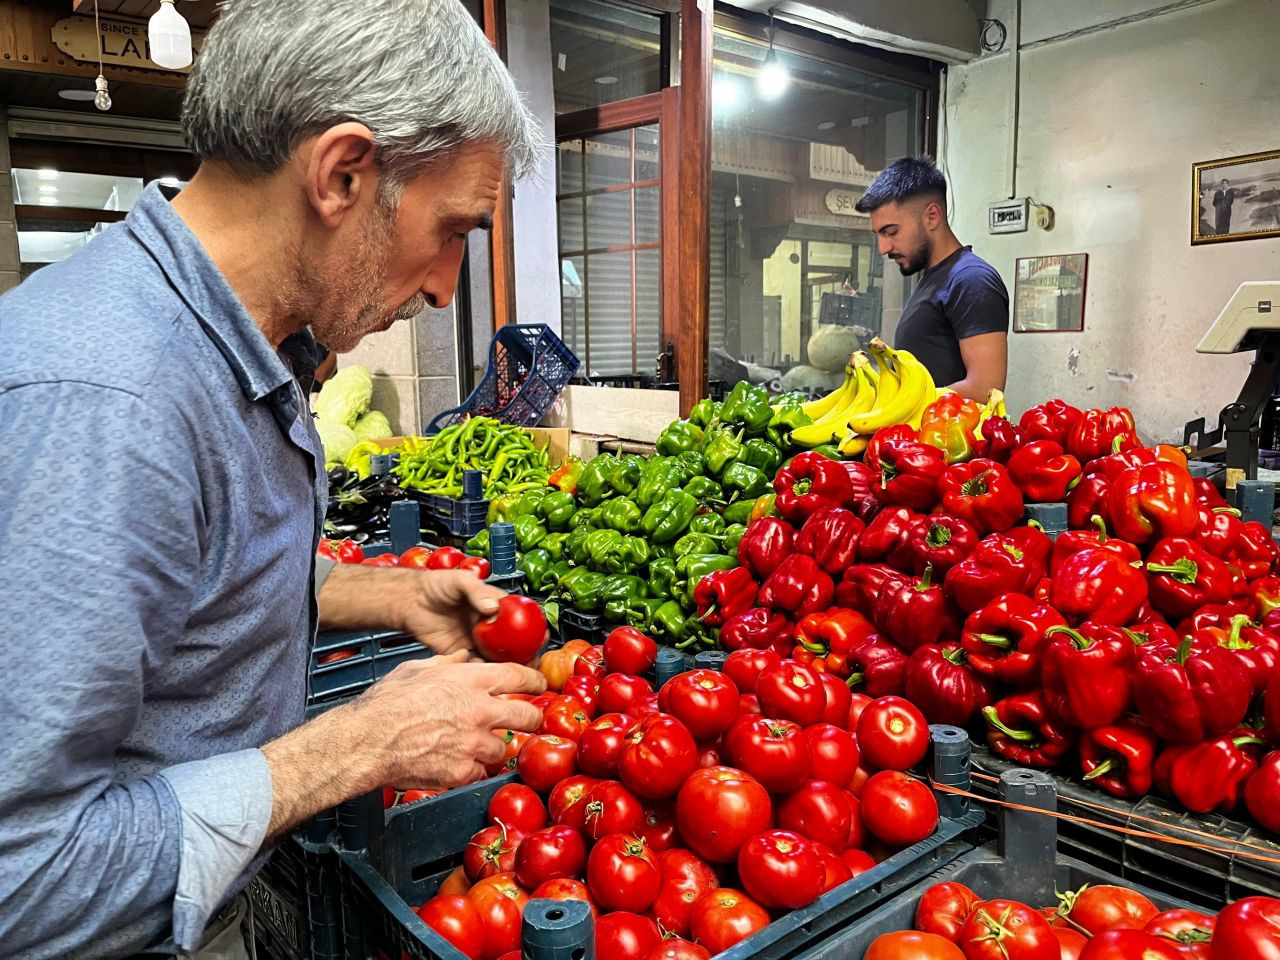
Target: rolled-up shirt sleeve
x,y
98,512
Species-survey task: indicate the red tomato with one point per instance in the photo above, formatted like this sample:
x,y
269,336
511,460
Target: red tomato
x,y
446,558
500,903
455,883
388,797
781,869
1248,928
590,663
1133,945
944,908
563,804
705,701
791,691
839,699
491,851
710,754
1070,942
719,809
819,811
836,870
601,743
552,853
857,829
518,807
477,565
859,779
586,690
382,560
625,936
893,734
773,751
898,809
627,650
618,691
658,752
335,656
565,717
622,874
1190,931
545,761
685,878
340,551
833,753
911,945
413,796
744,667
645,706
858,861
565,890
858,703
677,949
749,703
611,808
514,741
1007,930
515,633
659,828
724,917
415,557
1104,907
457,920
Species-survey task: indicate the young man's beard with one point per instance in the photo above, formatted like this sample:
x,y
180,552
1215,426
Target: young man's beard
x,y
919,259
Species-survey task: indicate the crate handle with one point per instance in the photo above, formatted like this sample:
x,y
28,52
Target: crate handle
x,y
558,930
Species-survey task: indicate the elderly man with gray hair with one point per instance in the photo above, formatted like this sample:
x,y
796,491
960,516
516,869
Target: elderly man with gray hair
x,y
166,488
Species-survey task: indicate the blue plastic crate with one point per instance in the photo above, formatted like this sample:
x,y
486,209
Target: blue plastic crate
x,y
528,367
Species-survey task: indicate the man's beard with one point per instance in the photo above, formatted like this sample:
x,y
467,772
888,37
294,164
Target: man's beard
x,y
918,260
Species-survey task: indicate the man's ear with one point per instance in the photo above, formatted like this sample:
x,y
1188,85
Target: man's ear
x,y
933,216
340,171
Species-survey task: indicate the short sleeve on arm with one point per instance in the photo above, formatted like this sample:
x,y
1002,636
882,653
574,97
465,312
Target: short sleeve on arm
x,y
977,301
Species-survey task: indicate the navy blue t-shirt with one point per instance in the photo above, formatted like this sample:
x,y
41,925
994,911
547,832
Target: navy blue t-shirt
x,y
961,297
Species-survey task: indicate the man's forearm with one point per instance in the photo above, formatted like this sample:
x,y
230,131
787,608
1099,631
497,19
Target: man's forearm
x,y
355,597
972,388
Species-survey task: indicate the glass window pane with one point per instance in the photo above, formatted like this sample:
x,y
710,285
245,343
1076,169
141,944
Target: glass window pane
x,y
601,53
60,188
609,159
608,219
648,157
573,314
648,213
609,348
648,311
570,210
569,166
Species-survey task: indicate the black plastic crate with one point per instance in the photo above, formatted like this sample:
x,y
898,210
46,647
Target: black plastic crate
x,y
457,517
295,903
366,656
575,625
1204,877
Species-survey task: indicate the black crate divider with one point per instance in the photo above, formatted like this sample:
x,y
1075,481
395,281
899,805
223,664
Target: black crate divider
x,y
1201,876
387,873
374,654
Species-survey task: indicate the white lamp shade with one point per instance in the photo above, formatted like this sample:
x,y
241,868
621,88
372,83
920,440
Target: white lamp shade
x,y
169,38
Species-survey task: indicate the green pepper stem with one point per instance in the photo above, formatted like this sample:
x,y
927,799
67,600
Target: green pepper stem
x,y
939,535
1105,767
926,579
993,718
1079,639
1101,524
976,486
854,679
1231,510
995,640
1183,570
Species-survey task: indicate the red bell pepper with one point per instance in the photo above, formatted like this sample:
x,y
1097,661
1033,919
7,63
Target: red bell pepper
x,y
1088,500
937,541
767,542
877,668
1153,635
1187,697
1183,577
1034,543
1151,502
1005,640
1086,674
1073,541
1271,711
1051,420
1254,553
1265,594
1218,529
1113,465
997,439
1257,649
997,566
757,628
1220,615
1101,432
1043,471
915,611
1210,776
890,528
1120,758
909,474
862,583
944,687
1096,584
865,501
1020,729
830,536
1207,494
884,439
1262,793
841,630
982,493
722,594
809,482
950,423
798,587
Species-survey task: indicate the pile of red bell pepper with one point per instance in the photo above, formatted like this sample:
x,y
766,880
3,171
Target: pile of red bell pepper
x,y
1141,646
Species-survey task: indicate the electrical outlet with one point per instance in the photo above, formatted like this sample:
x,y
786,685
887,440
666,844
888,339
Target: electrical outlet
x,y
1044,217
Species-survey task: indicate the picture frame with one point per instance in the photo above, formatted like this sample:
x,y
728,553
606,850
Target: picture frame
x,y
1236,198
1049,293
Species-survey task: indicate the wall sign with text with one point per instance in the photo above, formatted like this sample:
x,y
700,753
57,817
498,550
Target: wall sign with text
x,y
122,43
1048,294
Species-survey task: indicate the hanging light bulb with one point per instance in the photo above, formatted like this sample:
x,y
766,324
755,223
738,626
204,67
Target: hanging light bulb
x,y
774,78
169,38
101,99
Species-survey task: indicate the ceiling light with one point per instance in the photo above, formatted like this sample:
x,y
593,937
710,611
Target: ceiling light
x,y
169,37
827,125
605,81
774,78
725,91
48,188
78,95
48,201
47,173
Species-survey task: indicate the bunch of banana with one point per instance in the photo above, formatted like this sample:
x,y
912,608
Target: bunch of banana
x,y
994,407
831,413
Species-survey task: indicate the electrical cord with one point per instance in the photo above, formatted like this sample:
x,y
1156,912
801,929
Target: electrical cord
x,y
986,40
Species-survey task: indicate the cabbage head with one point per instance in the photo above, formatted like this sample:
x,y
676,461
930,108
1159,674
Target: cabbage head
x,y
345,396
373,425
336,439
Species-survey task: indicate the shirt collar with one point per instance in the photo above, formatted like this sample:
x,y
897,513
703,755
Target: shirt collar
x,y
201,285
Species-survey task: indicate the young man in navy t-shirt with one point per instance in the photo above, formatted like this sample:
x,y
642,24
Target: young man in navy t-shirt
x,y
957,320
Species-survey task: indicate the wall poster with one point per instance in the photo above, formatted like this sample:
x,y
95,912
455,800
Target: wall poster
x,y
1048,294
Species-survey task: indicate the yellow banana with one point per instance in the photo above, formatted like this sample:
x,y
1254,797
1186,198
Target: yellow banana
x,y
832,425
905,401
927,397
817,409
853,445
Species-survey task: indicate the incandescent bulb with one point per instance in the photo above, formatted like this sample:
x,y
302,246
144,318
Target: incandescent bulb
x,y
169,38
101,99
774,77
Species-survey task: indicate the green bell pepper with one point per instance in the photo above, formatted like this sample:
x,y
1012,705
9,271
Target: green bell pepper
x,y
704,489
594,487
660,475
534,564
693,463
739,512
667,519
626,475
745,481
830,451
555,573
747,406
585,517
733,535
659,550
554,543
637,613
704,412
634,554
679,437
693,567
785,419
663,577
478,546
576,546
557,509
711,523
721,449
621,515
602,549
623,586
530,503
696,543
529,532
763,454
581,587
668,622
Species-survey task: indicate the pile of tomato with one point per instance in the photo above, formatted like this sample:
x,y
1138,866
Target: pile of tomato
x,y
1101,922
690,817
418,558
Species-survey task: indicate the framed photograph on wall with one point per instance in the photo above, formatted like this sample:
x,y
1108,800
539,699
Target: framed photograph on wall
x,y
1048,294
1237,198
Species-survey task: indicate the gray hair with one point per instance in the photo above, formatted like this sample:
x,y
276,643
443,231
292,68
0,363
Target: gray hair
x,y
418,73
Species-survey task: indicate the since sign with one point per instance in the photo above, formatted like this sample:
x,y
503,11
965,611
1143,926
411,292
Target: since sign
x,y
120,42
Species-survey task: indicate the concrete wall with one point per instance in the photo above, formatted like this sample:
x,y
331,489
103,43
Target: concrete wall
x,y
1110,124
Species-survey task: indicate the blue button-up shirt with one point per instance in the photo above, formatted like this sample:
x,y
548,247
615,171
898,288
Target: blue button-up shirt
x,y
160,506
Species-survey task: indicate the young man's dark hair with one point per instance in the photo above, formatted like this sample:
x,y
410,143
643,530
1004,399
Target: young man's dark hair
x,y
902,180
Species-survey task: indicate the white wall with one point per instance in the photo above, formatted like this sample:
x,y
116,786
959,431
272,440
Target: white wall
x,y
1111,122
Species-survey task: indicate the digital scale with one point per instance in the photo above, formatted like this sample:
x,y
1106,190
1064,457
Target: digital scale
x,y
1250,321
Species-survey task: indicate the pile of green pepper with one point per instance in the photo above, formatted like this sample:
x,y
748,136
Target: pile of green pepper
x,y
505,454
638,534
